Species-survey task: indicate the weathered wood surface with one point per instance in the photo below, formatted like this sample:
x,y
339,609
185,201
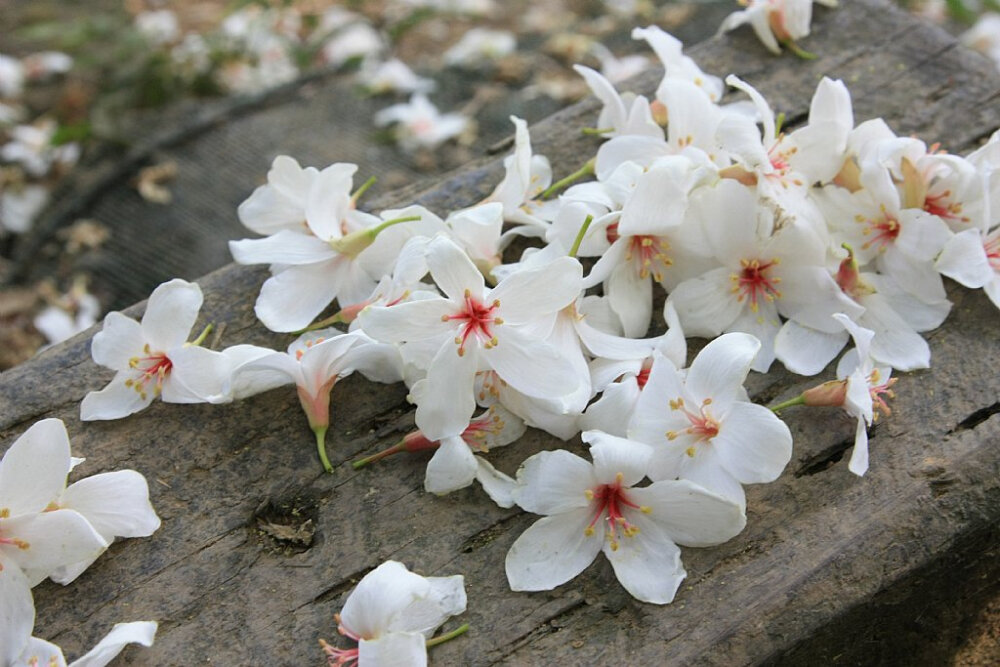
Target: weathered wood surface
x,y
820,544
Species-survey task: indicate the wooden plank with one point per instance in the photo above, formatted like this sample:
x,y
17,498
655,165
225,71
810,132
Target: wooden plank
x,y
819,542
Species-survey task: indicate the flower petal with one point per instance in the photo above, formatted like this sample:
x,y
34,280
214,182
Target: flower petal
x,y
116,343
115,503
753,443
647,564
690,514
171,313
198,375
498,486
531,293
57,538
859,457
291,300
121,635
806,351
451,468
452,270
719,370
448,401
379,597
285,247
554,482
552,551
531,366
395,649
17,611
33,471
615,456
114,401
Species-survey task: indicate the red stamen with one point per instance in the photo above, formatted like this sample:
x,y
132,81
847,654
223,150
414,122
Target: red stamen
x,y
610,502
477,319
754,282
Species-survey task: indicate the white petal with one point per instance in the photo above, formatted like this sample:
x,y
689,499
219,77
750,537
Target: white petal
x,y
554,482
285,247
807,351
631,297
395,649
198,375
291,300
706,305
170,313
412,320
531,293
648,564
57,538
615,456
116,343
690,514
38,653
859,457
121,635
612,412
445,597
706,469
379,597
33,471
452,270
448,402
114,401
719,370
552,551
115,503
17,611
498,486
753,443
964,260
531,366
267,211
451,468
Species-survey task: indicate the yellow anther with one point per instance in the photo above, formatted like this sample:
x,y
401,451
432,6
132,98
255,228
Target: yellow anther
x,y
645,509
5,513
444,318
497,320
689,451
671,435
588,531
468,293
620,477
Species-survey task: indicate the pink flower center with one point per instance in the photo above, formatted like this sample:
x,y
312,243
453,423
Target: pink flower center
x,y
881,231
13,541
478,433
703,427
154,367
877,391
992,247
341,657
940,206
755,282
609,503
476,318
647,252
643,377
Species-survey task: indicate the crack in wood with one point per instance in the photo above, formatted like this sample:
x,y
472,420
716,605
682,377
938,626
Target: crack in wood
x,y
544,627
976,418
488,534
825,459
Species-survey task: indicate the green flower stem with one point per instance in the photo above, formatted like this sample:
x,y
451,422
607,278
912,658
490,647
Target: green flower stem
x,y
798,400
336,318
799,51
579,236
586,170
596,131
779,122
448,636
320,432
364,188
203,335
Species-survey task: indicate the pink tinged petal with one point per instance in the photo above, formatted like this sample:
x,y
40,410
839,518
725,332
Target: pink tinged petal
x,y
615,456
453,271
530,293
170,314
753,443
54,539
114,401
121,635
17,611
448,402
498,486
719,370
554,482
706,305
115,503
807,351
198,375
119,340
395,649
291,300
964,260
530,365
380,597
631,298
553,550
859,457
285,247
327,359
329,200
33,471
689,514
647,564
451,468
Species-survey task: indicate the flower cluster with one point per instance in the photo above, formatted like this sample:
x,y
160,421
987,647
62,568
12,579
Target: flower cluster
x,y
51,530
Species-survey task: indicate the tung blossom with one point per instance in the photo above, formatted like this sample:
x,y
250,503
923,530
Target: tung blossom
x,y
593,507
152,358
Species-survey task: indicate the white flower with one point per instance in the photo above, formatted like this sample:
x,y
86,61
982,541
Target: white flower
x,y
19,206
356,40
526,176
711,434
776,22
11,77
596,507
676,65
474,328
984,36
36,536
480,45
391,613
159,27
420,125
392,76
152,358
40,653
